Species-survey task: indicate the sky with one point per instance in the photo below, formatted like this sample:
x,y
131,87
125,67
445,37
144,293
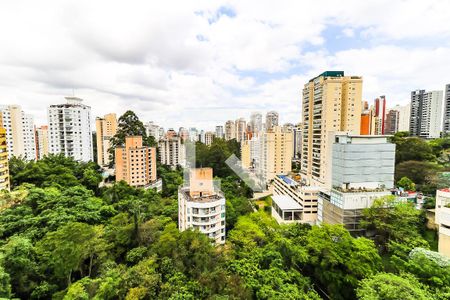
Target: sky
x,y
200,63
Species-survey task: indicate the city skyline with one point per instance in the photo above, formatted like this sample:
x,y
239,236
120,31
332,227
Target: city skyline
x,y
214,61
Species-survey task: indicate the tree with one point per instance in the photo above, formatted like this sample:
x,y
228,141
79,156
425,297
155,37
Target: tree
x,y
407,184
395,225
338,261
19,260
422,173
412,148
5,286
129,125
385,286
65,250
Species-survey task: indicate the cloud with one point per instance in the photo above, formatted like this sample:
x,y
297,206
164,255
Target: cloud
x,y
199,63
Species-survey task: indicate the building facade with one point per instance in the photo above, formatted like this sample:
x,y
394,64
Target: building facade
x,y
70,129
4,168
272,119
230,130
362,171
276,151
392,122
106,128
404,113
241,128
209,137
256,122
172,152
446,104
219,132
379,114
426,114
135,163
20,136
42,141
201,205
331,103
306,196
442,220
153,130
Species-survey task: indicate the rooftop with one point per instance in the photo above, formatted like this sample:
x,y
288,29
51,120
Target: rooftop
x,y
285,202
203,199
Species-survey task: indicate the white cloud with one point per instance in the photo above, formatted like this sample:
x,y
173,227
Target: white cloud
x,y
180,63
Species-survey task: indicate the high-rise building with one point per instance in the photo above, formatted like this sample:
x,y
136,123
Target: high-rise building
x,y
201,205
209,137
202,136
183,133
367,122
42,141
245,154
297,141
20,136
403,116
4,169
271,119
172,151
275,158
362,171
446,121
392,121
171,133
426,114
379,114
256,122
135,163
219,132
442,220
70,129
153,130
230,130
106,128
193,134
240,130
331,103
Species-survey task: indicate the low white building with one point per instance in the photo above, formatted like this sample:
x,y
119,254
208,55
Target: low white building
x,y
443,220
306,196
286,210
201,206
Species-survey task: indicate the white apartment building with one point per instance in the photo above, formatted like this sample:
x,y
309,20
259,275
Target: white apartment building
x,y
443,220
193,134
219,132
153,130
256,122
426,114
306,196
362,171
70,129
20,136
201,206
172,151
404,113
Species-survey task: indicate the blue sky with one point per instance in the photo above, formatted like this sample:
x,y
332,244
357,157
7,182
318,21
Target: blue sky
x,y
200,63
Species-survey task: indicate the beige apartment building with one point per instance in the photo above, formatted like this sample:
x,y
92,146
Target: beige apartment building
x,y
106,128
331,103
41,141
4,169
245,155
135,163
20,137
276,148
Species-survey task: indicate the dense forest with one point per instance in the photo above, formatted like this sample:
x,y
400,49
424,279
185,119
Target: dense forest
x,y
64,237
